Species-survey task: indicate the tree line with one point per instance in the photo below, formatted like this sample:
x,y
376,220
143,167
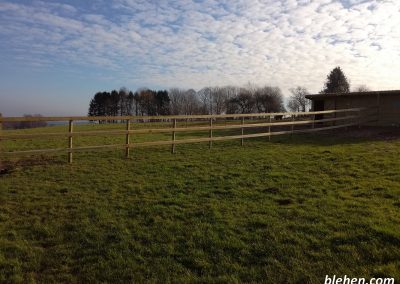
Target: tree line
x,y
210,100
178,101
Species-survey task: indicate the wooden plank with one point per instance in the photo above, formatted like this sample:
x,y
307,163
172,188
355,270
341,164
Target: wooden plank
x,y
166,117
164,130
168,142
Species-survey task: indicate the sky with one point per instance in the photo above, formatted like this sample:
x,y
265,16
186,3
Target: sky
x,y
55,55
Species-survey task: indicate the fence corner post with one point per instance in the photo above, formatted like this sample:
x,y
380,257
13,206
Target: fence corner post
x,y
128,126
70,131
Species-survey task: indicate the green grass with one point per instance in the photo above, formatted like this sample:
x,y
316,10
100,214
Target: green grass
x,y
287,211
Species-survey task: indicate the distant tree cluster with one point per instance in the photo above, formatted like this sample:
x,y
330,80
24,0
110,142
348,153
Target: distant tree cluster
x,y
125,102
25,124
256,99
112,103
248,99
176,101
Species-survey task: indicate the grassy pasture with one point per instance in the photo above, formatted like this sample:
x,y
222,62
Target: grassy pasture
x,y
287,211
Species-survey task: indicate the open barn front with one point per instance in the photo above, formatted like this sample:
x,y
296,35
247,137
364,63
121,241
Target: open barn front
x,y
319,105
387,104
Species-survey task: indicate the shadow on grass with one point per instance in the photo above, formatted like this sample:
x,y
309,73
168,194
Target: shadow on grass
x,y
351,135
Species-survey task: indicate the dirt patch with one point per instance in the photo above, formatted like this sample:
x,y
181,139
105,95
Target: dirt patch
x,y
7,167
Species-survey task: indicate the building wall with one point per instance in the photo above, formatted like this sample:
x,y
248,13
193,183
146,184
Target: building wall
x,y
389,110
388,107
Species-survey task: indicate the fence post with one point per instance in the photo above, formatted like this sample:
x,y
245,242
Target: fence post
x,y
242,141
269,129
70,130
211,133
173,137
313,121
359,119
128,127
292,125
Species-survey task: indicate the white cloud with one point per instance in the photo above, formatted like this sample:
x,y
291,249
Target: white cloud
x,y
190,44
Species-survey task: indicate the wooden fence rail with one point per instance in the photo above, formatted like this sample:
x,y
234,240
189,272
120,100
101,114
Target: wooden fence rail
x,y
349,117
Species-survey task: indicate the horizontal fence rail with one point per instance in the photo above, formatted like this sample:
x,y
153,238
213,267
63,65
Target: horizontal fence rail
x,y
346,118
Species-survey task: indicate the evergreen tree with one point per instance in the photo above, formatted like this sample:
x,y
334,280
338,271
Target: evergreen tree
x,y
162,102
336,82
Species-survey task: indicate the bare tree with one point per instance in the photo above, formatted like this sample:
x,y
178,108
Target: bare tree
x,y
191,103
177,100
184,102
362,88
205,96
297,101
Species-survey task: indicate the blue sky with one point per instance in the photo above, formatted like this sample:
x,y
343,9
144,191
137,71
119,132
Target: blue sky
x,y
54,55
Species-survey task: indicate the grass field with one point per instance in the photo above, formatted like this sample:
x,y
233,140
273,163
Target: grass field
x,y
287,211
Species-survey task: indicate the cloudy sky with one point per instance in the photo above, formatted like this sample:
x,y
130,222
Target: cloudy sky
x,y
54,55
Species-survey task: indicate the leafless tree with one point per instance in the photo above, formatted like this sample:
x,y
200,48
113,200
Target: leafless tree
x,y
298,101
184,102
205,96
362,88
177,100
191,103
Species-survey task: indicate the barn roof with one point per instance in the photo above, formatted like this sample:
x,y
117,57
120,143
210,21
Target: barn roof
x,y
370,93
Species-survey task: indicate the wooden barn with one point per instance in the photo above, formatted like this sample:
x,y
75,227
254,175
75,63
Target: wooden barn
x,y
387,104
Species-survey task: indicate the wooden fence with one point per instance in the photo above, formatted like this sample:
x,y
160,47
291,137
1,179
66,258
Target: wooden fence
x,y
331,119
